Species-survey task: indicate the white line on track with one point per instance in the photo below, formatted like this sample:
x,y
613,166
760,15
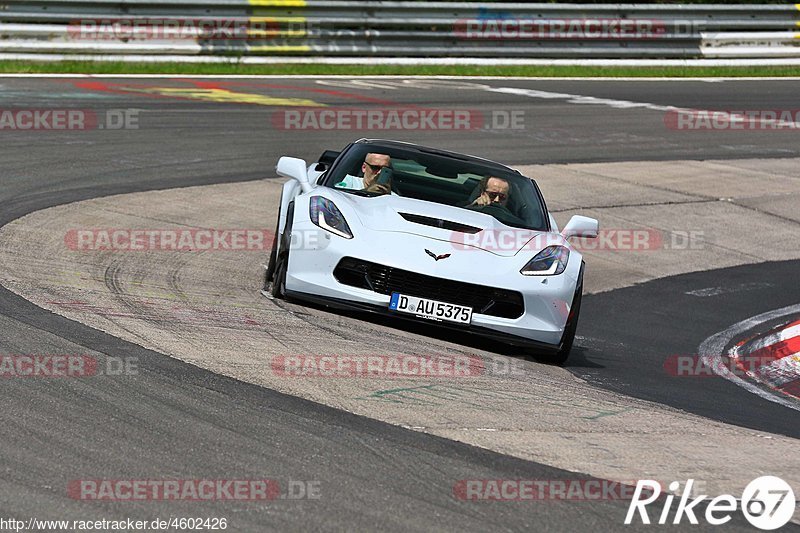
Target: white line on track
x,y
582,99
403,77
468,84
358,83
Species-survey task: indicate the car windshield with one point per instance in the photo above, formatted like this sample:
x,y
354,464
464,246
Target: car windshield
x,y
369,170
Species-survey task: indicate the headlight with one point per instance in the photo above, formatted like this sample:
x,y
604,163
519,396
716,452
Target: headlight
x,y
327,216
549,262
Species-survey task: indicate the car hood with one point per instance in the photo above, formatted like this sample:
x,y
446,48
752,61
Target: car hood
x,y
463,228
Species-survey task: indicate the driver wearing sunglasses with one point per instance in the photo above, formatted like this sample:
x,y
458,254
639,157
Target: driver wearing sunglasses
x,y
493,191
371,169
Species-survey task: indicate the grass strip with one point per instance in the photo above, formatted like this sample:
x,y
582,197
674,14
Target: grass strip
x,y
102,67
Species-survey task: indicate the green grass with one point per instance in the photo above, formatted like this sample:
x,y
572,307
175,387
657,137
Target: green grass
x,y
78,67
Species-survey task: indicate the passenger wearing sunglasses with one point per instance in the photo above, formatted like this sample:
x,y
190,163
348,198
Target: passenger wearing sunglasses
x,y
371,169
494,200
493,191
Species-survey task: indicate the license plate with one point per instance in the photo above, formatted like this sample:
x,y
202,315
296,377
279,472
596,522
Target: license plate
x,y
430,309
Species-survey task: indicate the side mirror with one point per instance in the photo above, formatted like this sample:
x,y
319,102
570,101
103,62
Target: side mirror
x,y
580,226
294,168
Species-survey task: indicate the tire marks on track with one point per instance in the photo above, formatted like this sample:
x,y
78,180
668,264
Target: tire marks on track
x,y
539,413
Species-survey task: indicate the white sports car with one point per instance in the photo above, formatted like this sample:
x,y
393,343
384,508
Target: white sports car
x,y
425,234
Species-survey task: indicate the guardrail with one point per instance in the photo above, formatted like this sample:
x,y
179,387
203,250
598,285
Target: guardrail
x,y
397,29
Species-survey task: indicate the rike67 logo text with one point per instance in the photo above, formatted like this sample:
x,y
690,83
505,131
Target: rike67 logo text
x,y
768,502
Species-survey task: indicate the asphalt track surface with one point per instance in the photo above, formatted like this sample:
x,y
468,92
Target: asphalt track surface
x,y
175,420
653,321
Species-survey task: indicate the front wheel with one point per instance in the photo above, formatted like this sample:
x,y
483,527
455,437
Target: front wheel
x,y
278,289
568,337
279,259
269,273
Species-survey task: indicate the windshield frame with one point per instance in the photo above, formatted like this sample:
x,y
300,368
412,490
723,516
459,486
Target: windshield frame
x,y
486,166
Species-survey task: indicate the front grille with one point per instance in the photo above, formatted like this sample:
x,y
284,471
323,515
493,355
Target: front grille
x,y
386,280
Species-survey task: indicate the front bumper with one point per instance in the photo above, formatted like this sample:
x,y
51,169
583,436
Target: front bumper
x,y
315,253
382,310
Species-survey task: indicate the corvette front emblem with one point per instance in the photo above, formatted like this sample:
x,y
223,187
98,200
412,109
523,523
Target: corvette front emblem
x,y
436,257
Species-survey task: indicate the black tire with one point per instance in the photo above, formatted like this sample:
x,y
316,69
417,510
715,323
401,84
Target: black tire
x,y
279,261
278,289
270,272
568,338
